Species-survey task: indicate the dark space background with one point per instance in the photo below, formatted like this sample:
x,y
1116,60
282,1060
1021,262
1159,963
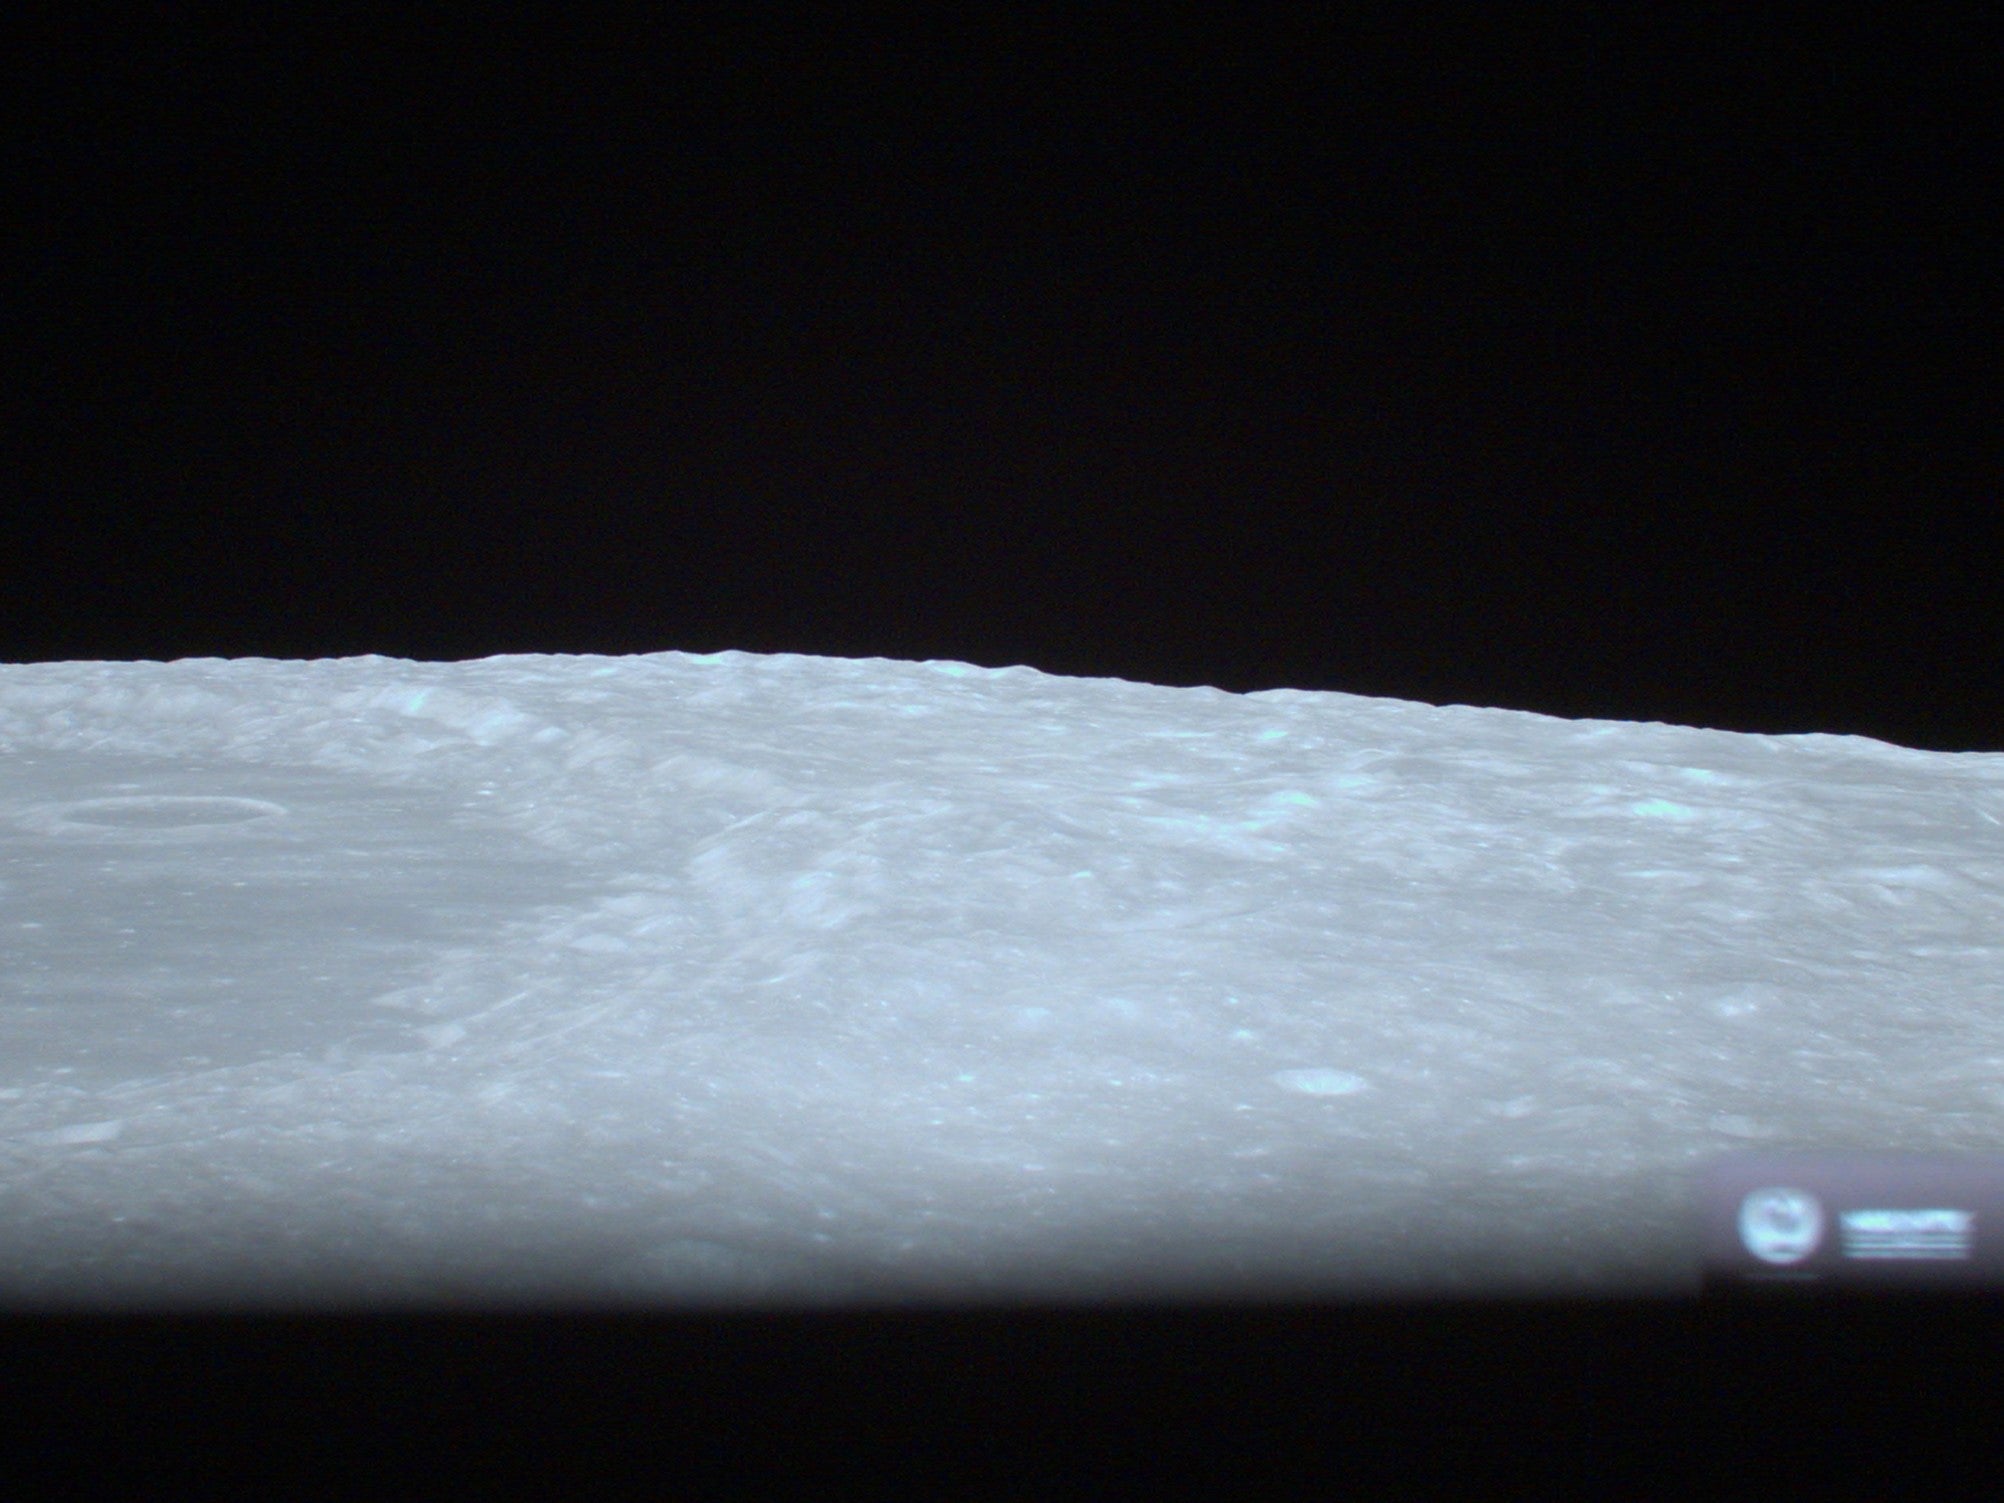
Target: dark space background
x,y
1559,358
1565,361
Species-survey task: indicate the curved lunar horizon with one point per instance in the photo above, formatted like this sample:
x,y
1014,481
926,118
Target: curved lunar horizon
x,y
747,980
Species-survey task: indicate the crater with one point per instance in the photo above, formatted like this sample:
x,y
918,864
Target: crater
x,y
151,814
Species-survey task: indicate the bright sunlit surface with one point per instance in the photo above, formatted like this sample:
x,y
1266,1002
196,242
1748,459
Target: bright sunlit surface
x,y
772,981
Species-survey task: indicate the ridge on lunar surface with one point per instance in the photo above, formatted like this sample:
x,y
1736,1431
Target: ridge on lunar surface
x,y
776,979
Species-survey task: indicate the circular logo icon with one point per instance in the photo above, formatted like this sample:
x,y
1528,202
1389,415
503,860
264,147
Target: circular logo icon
x,y
1781,1225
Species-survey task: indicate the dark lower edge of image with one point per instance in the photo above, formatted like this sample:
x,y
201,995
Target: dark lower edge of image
x,y
1217,1395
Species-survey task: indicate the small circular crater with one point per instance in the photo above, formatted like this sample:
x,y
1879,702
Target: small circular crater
x,y
1321,1082
153,814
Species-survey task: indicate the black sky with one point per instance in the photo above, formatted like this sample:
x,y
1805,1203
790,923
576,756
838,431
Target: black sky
x,y
1582,364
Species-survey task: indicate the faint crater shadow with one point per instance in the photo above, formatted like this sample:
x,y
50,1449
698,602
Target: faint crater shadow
x,y
154,816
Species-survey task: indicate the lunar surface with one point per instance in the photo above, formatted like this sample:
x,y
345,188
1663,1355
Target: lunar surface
x,y
771,980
